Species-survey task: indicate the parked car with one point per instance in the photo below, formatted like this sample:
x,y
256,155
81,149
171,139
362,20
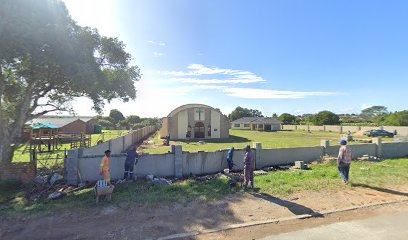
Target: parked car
x,y
378,133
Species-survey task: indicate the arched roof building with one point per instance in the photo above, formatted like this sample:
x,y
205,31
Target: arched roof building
x,y
195,121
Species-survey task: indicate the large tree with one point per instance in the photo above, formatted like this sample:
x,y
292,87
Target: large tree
x,y
46,60
116,115
240,112
287,118
325,118
374,111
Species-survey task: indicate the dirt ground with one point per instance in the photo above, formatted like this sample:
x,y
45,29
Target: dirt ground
x,y
110,221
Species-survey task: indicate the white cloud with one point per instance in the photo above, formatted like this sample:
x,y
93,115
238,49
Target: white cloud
x,y
253,93
157,43
217,81
158,54
224,75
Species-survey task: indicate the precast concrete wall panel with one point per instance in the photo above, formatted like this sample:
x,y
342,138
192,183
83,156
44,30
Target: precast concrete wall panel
x,y
281,156
395,150
351,128
330,128
156,164
316,128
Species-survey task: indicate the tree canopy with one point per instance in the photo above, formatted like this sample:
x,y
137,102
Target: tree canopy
x,y
397,119
116,115
46,60
287,118
325,118
371,112
240,112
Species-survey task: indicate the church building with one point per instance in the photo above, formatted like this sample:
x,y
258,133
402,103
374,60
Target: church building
x,y
195,121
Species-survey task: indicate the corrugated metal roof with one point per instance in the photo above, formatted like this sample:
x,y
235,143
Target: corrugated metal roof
x,y
45,125
257,120
58,121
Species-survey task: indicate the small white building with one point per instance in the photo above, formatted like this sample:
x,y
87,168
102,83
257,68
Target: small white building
x,y
257,124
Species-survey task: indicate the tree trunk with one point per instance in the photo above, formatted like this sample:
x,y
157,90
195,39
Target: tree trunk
x,y
7,152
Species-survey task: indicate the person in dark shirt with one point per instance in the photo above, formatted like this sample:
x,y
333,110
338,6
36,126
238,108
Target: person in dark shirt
x,y
131,160
230,155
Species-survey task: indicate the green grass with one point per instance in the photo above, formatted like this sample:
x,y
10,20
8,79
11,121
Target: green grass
x,y
14,204
21,155
240,138
387,173
321,177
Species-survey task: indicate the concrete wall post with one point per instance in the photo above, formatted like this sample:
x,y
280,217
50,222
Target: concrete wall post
x,y
378,150
258,151
325,144
178,160
71,167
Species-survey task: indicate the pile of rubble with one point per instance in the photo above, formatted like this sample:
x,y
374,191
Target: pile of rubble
x,y
52,187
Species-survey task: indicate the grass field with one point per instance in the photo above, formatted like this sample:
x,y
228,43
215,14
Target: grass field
x,y
240,138
321,177
23,155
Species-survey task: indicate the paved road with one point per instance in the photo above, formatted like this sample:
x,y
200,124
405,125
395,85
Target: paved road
x,y
388,227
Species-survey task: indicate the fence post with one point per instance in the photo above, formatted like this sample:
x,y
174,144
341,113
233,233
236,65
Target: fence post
x,y
178,160
324,144
378,147
258,151
71,166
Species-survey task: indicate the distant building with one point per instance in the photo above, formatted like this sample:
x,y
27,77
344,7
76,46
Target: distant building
x,y
257,124
67,124
195,121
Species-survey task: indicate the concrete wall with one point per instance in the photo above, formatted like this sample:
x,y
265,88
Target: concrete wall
x,y
402,131
122,143
358,150
283,156
330,128
201,163
316,128
395,150
289,127
351,129
303,127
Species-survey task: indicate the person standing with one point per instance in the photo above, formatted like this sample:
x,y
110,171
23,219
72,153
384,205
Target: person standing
x,y
230,155
248,167
131,160
344,160
104,169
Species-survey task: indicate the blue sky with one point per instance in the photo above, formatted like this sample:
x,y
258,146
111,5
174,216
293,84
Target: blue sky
x,y
275,56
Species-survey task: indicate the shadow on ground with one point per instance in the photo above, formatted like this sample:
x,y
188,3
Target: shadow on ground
x,y
295,208
385,190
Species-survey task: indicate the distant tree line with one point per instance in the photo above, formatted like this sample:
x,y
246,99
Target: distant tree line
x,y
116,120
375,116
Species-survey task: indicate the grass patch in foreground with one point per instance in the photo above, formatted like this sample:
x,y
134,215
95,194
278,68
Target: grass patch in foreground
x,y
387,173
321,177
14,204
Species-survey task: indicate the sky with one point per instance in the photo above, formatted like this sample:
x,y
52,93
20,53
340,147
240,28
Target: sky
x,y
277,56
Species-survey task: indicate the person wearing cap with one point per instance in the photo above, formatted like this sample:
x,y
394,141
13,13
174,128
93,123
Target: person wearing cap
x,y
248,167
344,161
131,160
104,169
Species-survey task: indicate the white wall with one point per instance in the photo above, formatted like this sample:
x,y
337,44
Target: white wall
x,y
182,123
215,124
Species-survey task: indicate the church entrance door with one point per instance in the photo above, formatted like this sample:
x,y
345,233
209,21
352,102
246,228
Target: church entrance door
x,y
199,130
